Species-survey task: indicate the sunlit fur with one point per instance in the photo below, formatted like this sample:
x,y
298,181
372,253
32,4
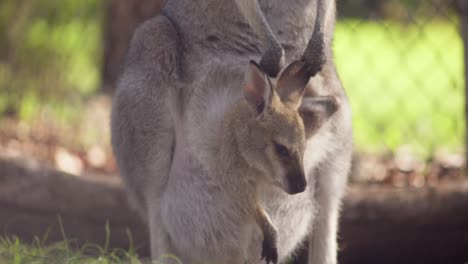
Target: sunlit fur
x,y
211,207
194,54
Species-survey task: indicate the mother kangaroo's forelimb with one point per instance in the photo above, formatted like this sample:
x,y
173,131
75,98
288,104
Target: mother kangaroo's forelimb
x,y
273,57
314,55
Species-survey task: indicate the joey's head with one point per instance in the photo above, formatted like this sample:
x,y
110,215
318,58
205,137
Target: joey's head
x,y
271,133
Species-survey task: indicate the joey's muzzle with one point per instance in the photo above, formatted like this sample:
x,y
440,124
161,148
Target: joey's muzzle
x,y
297,182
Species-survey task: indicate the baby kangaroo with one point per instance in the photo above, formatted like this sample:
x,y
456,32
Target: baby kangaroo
x,y
210,213
269,131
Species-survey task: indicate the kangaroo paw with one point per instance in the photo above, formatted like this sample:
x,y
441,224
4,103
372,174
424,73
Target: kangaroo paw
x,y
269,251
272,62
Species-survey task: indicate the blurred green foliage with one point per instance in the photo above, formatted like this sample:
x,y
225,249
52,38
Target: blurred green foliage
x,y
396,10
14,251
50,53
400,61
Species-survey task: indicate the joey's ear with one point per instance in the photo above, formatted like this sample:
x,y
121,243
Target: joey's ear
x,y
291,84
257,90
315,111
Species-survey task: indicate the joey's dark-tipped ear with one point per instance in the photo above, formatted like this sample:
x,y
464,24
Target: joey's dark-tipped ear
x,y
257,90
292,83
315,111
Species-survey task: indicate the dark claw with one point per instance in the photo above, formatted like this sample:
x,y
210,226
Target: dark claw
x,y
314,56
269,252
270,69
272,62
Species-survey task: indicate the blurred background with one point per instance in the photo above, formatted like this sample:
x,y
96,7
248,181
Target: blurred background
x,y
401,62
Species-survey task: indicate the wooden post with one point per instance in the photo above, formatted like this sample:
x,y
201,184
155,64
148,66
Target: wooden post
x,y
123,16
463,4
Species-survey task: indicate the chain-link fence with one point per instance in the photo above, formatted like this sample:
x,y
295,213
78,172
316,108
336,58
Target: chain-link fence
x,y
401,63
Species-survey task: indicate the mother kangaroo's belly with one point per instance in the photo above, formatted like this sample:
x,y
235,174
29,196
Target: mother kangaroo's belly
x,y
200,218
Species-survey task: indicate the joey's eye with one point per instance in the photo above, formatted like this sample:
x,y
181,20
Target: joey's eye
x,y
281,150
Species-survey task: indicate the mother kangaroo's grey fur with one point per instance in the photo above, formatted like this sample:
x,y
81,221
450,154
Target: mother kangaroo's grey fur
x,y
195,52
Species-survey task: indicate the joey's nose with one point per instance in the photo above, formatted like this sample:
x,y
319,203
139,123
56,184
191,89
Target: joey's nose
x,y
297,184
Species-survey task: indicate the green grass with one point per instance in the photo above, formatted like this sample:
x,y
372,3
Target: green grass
x,y
405,84
14,251
68,251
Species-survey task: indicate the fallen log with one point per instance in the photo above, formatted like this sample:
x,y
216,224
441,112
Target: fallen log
x,y
378,224
389,225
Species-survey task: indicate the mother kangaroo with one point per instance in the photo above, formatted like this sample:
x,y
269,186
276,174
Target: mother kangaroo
x,y
193,44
